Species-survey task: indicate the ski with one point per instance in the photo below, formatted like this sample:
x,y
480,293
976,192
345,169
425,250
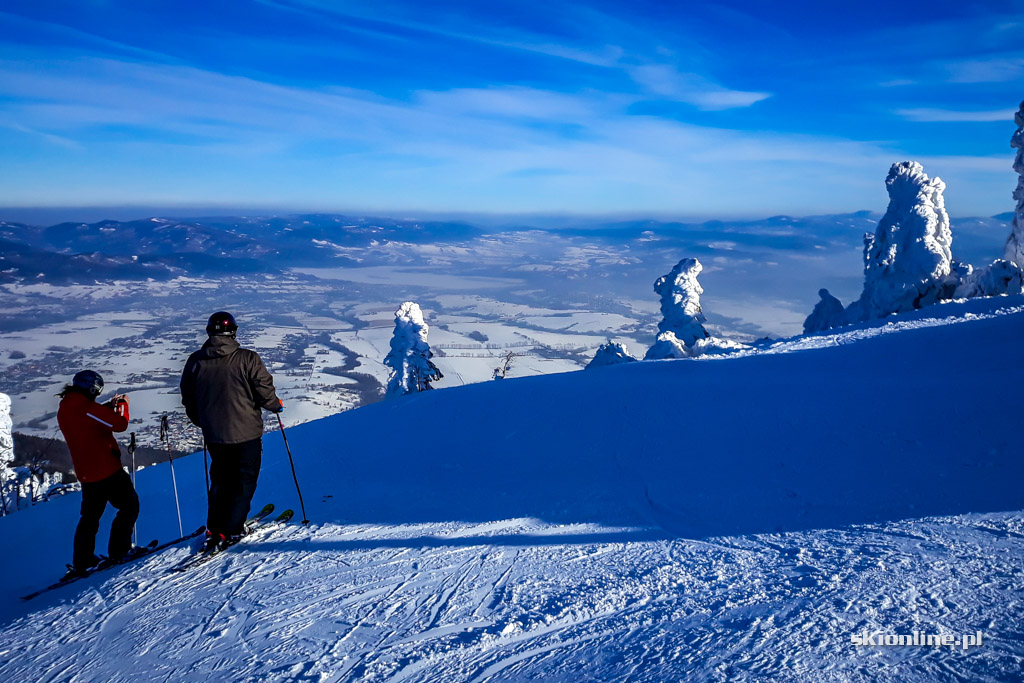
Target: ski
x,y
258,524
284,517
205,556
134,554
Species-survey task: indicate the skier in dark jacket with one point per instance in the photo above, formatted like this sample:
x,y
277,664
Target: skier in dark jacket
x,y
88,429
223,388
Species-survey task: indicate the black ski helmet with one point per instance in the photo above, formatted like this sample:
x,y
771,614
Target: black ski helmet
x,y
90,382
221,323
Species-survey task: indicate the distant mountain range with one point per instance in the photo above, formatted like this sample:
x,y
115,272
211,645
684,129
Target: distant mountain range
x,y
162,248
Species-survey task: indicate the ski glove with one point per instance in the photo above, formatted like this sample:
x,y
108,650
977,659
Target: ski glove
x,y
278,408
119,404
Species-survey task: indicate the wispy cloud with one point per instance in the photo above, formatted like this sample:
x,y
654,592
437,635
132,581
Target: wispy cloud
x,y
564,106
951,115
605,42
48,137
995,70
21,24
484,146
667,81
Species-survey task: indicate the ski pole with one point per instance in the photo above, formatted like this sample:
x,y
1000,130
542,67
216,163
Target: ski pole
x,y
305,520
206,470
135,527
165,436
3,485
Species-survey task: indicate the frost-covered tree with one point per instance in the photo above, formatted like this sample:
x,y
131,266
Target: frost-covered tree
x,y
20,486
1005,275
680,302
28,485
908,261
7,474
1001,277
409,358
1015,243
667,345
827,313
681,332
611,353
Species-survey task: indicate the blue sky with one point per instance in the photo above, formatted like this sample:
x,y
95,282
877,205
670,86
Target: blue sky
x,y
688,109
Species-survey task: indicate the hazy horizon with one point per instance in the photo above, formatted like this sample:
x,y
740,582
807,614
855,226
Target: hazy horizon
x,y
46,216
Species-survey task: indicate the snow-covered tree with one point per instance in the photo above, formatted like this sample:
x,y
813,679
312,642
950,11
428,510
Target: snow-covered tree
x,y
680,302
7,474
827,313
28,485
667,345
1015,243
1005,275
908,262
1001,277
681,332
611,353
20,486
409,358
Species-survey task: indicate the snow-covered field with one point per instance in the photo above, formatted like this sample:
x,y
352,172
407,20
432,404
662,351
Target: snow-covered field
x,y
323,364
730,519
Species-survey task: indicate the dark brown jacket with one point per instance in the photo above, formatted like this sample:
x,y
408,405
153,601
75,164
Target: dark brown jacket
x,y
223,387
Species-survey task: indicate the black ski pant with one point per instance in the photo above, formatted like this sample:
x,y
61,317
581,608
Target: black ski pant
x,y
234,469
117,489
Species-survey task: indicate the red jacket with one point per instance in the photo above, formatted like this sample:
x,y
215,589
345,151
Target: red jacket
x,y
88,430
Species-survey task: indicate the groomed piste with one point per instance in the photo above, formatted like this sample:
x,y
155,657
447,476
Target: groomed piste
x,y
704,519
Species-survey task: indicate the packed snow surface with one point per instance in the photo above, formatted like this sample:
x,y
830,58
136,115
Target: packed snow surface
x,y
729,518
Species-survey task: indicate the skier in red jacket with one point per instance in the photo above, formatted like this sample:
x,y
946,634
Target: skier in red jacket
x,y
88,430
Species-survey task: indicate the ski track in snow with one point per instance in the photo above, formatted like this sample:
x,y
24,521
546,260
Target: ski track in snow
x,y
295,604
621,590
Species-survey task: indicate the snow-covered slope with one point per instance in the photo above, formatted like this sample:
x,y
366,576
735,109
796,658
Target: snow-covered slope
x,y
701,519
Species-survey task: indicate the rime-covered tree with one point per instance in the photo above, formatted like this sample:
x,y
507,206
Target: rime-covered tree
x,y
1015,243
681,332
409,358
999,277
827,313
1005,275
611,353
7,474
908,261
680,302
